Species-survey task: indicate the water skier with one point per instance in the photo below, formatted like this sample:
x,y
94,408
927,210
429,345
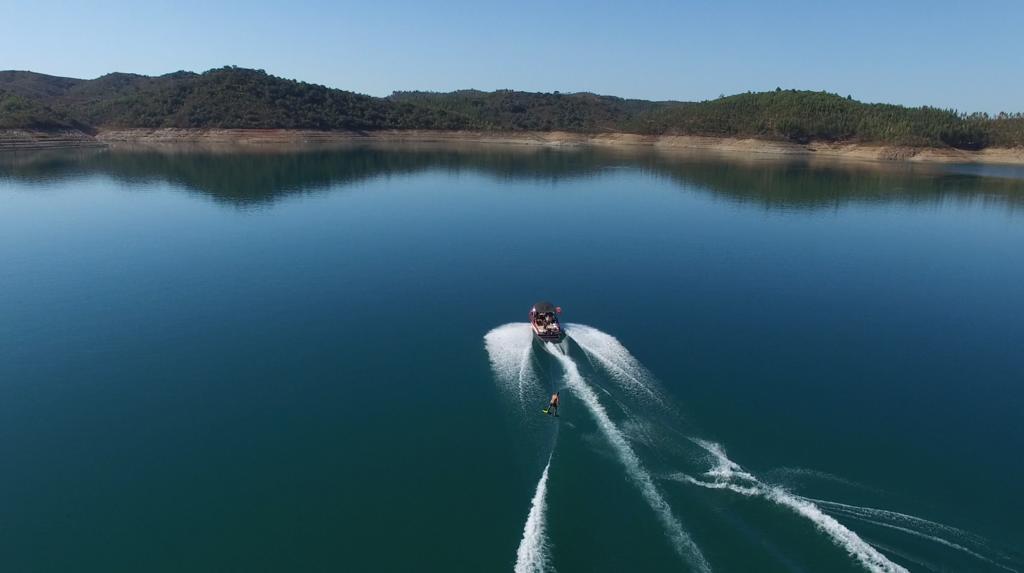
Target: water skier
x,y
552,408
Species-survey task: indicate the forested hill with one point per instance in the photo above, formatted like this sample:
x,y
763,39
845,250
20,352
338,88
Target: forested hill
x,y
233,97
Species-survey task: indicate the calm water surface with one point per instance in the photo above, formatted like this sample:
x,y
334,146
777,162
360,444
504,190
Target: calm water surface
x,y
317,361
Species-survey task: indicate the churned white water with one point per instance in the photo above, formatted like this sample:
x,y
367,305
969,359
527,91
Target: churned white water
x,y
914,526
681,540
532,556
509,347
620,364
727,474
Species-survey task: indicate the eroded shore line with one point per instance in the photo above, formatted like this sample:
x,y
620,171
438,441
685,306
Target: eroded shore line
x,y
29,139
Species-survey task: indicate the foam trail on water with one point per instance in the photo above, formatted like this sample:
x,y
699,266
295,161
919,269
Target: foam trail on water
x,y
616,359
863,516
938,540
509,347
800,473
909,557
532,555
726,472
630,375
895,516
681,541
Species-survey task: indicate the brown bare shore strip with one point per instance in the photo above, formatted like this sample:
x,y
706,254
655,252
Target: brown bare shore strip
x,y
25,139
31,140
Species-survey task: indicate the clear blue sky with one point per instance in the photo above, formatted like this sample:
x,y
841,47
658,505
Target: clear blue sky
x,y
966,55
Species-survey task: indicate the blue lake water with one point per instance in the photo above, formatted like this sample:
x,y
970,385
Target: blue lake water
x,y
318,360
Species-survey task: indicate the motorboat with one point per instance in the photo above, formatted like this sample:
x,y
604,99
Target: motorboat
x,y
544,320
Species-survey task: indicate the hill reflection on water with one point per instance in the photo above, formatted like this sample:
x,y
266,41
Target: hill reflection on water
x,y
260,176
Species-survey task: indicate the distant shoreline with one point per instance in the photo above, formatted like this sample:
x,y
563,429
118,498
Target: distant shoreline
x,y
27,140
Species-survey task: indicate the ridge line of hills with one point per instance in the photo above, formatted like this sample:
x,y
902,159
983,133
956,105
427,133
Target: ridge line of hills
x,y
240,98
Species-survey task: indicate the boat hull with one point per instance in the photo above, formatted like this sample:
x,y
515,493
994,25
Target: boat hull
x,y
545,324
553,338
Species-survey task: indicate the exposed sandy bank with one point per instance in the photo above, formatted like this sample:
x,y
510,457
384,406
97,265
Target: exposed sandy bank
x,y
30,140
556,138
21,139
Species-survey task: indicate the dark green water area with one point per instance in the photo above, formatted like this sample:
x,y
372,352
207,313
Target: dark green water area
x,y
319,360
